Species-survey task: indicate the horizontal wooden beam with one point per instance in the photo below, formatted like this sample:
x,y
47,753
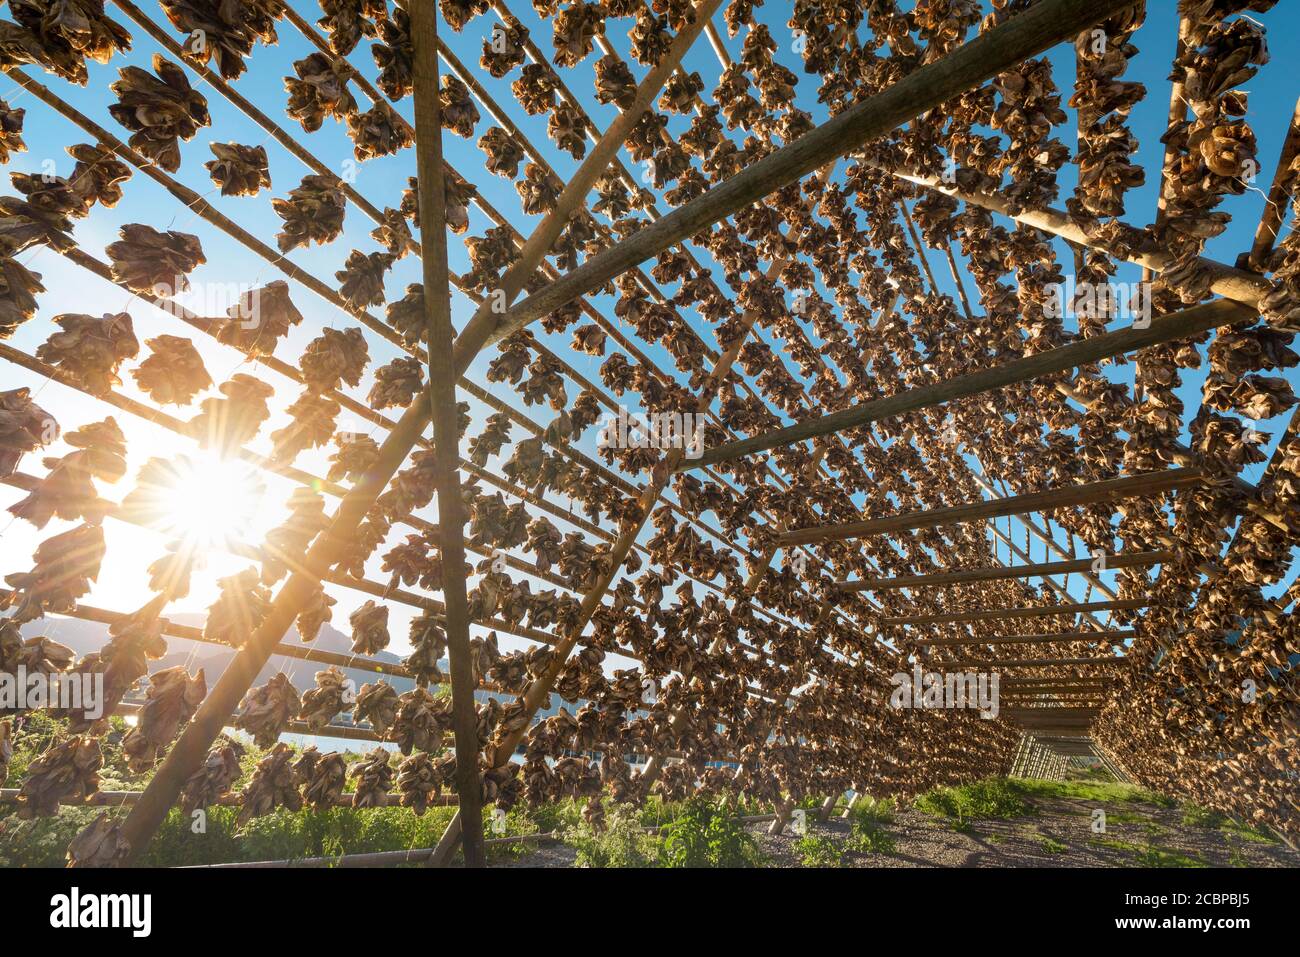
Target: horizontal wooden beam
x,y
1025,35
1059,692
998,572
1094,635
1026,685
1033,611
1168,328
1089,493
1036,662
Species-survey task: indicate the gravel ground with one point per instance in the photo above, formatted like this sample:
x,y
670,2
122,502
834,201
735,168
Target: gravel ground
x,y
1058,834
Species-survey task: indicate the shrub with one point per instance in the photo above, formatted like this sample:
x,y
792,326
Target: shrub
x,y
820,851
622,843
868,821
706,834
875,810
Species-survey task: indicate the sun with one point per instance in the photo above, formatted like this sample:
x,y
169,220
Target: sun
x,y
204,500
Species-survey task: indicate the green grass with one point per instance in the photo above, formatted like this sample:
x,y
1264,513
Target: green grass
x,y
1196,816
820,851
989,798
1155,856
1105,792
1150,855
868,822
1052,846
1246,832
876,810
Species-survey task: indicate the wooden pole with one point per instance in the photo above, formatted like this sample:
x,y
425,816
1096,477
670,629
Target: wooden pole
x,y
1113,636
1279,195
1035,611
444,414
1036,662
1132,486
1230,282
968,575
1169,328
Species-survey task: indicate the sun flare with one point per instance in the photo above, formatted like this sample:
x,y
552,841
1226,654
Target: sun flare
x,y
204,500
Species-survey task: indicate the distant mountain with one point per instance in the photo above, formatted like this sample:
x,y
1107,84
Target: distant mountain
x,y
85,637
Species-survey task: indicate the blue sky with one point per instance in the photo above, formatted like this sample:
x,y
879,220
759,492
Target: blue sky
x,y
70,289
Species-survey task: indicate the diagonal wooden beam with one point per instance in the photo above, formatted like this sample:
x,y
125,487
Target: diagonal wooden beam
x,y
1034,611
489,324
189,751
967,575
1026,34
1230,282
1279,194
1169,328
1227,281
1132,486
443,413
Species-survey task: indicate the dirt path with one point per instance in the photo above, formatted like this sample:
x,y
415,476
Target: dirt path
x,y
1058,831
1058,834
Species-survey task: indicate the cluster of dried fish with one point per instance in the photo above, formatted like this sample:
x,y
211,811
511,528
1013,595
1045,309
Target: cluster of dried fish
x,y
239,170
67,491
173,697
266,711
61,36
173,373
224,31
313,213
90,351
159,110
65,565
226,423
148,261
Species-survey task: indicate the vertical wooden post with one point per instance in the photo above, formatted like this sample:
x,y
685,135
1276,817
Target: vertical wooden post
x,y
484,328
442,395
827,806
853,802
